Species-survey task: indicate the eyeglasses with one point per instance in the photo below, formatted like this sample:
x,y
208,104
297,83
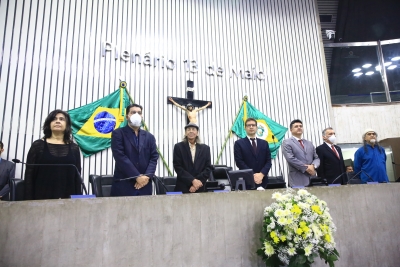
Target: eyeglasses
x,y
251,125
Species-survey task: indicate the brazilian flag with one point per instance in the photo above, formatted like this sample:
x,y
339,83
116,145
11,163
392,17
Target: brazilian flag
x,y
93,123
266,127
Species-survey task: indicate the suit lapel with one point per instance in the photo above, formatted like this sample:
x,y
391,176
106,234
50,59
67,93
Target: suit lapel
x,y
188,153
199,149
250,146
297,143
142,139
127,132
331,151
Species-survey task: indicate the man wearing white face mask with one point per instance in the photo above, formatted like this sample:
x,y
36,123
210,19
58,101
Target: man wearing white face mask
x,y
331,166
135,154
371,159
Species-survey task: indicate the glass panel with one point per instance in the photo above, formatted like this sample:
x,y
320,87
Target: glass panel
x,y
391,56
354,76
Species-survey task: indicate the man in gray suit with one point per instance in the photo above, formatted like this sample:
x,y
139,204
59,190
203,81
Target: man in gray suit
x,y
300,155
7,171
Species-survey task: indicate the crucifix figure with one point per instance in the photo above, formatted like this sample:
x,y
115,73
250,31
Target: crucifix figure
x,y
189,105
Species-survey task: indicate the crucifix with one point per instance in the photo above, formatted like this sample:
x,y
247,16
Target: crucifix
x,y
189,105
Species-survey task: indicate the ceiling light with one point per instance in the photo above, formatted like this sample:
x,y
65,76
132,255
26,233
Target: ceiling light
x,y
366,66
392,67
356,70
378,68
395,58
369,73
358,74
387,63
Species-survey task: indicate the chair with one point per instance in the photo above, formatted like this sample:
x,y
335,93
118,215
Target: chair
x,y
276,182
218,178
351,179
16,189
247,176
165,184
101,184
317,181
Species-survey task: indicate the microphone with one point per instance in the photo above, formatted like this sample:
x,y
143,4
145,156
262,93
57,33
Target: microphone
x,y
369,177
277,159
159,180
79,174
334,180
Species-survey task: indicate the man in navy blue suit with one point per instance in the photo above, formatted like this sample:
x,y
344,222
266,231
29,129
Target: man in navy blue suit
x,y
135,154
253,153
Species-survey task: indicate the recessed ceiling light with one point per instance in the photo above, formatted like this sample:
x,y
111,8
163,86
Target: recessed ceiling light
x,y
387,63
392,67
356,70
395,58
369,73
358,74
366,66
378,68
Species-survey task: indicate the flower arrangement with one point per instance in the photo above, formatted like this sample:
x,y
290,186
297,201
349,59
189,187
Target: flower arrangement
x,y
296,229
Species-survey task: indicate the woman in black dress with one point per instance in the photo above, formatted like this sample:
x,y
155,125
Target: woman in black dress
x,y
55,148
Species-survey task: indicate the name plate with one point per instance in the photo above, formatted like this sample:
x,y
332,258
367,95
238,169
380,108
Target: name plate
x,y
334,184
173,193
221,191
372,183
82,196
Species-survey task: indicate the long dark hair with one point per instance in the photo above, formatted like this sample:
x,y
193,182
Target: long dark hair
x,y
68,130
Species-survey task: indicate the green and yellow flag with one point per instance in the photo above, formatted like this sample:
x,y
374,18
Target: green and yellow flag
x,y
93,123
266,127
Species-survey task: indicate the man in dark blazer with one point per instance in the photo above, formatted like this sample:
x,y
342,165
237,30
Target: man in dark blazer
x,y
300,155
253,153
331,165
135,154
192,162
7,172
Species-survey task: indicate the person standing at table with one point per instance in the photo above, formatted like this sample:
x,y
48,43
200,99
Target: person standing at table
x,y
135,154
53,164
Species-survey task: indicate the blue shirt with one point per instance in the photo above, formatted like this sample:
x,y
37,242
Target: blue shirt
x,y
373,162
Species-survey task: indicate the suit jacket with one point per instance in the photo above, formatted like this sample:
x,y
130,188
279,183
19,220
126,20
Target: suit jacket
x,y
330,165
260,161
297,157
187,170
132,161
7,171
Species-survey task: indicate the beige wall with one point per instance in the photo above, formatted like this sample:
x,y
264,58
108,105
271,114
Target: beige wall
x,y
351,121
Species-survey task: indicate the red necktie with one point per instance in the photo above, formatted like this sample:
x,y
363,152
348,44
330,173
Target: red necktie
x,y
301,143
253,143
334,150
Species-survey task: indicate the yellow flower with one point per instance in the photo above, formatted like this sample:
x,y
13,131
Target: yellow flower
x,y
328,238
305,229
268,249
276,239
299,231
273,234
283,238
302,224
316,209
296,209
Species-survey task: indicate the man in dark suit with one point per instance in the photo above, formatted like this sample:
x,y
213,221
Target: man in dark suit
x,y
300,155
192,162
135,154
253,153
331,159
7,171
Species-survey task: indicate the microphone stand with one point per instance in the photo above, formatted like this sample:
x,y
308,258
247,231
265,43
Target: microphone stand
x,y
77,171
277,159
334,180
153,179
369,177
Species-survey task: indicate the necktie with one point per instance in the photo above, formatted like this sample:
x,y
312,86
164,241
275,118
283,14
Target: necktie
x,y
253,143
334,150
301,143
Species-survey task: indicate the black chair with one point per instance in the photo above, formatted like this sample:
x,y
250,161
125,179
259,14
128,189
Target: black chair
x,y
218,178
317,181
101,184
165,184
275,182
351,179
16,189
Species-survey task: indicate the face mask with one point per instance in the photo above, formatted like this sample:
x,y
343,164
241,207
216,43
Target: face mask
x,y
372,141
136,120
332,138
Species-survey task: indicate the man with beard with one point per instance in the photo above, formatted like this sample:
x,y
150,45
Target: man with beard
x,y
370,159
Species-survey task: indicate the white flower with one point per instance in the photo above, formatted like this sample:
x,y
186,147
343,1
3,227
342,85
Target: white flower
x,y
268,249
291,251
279,213
276,195
303,192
